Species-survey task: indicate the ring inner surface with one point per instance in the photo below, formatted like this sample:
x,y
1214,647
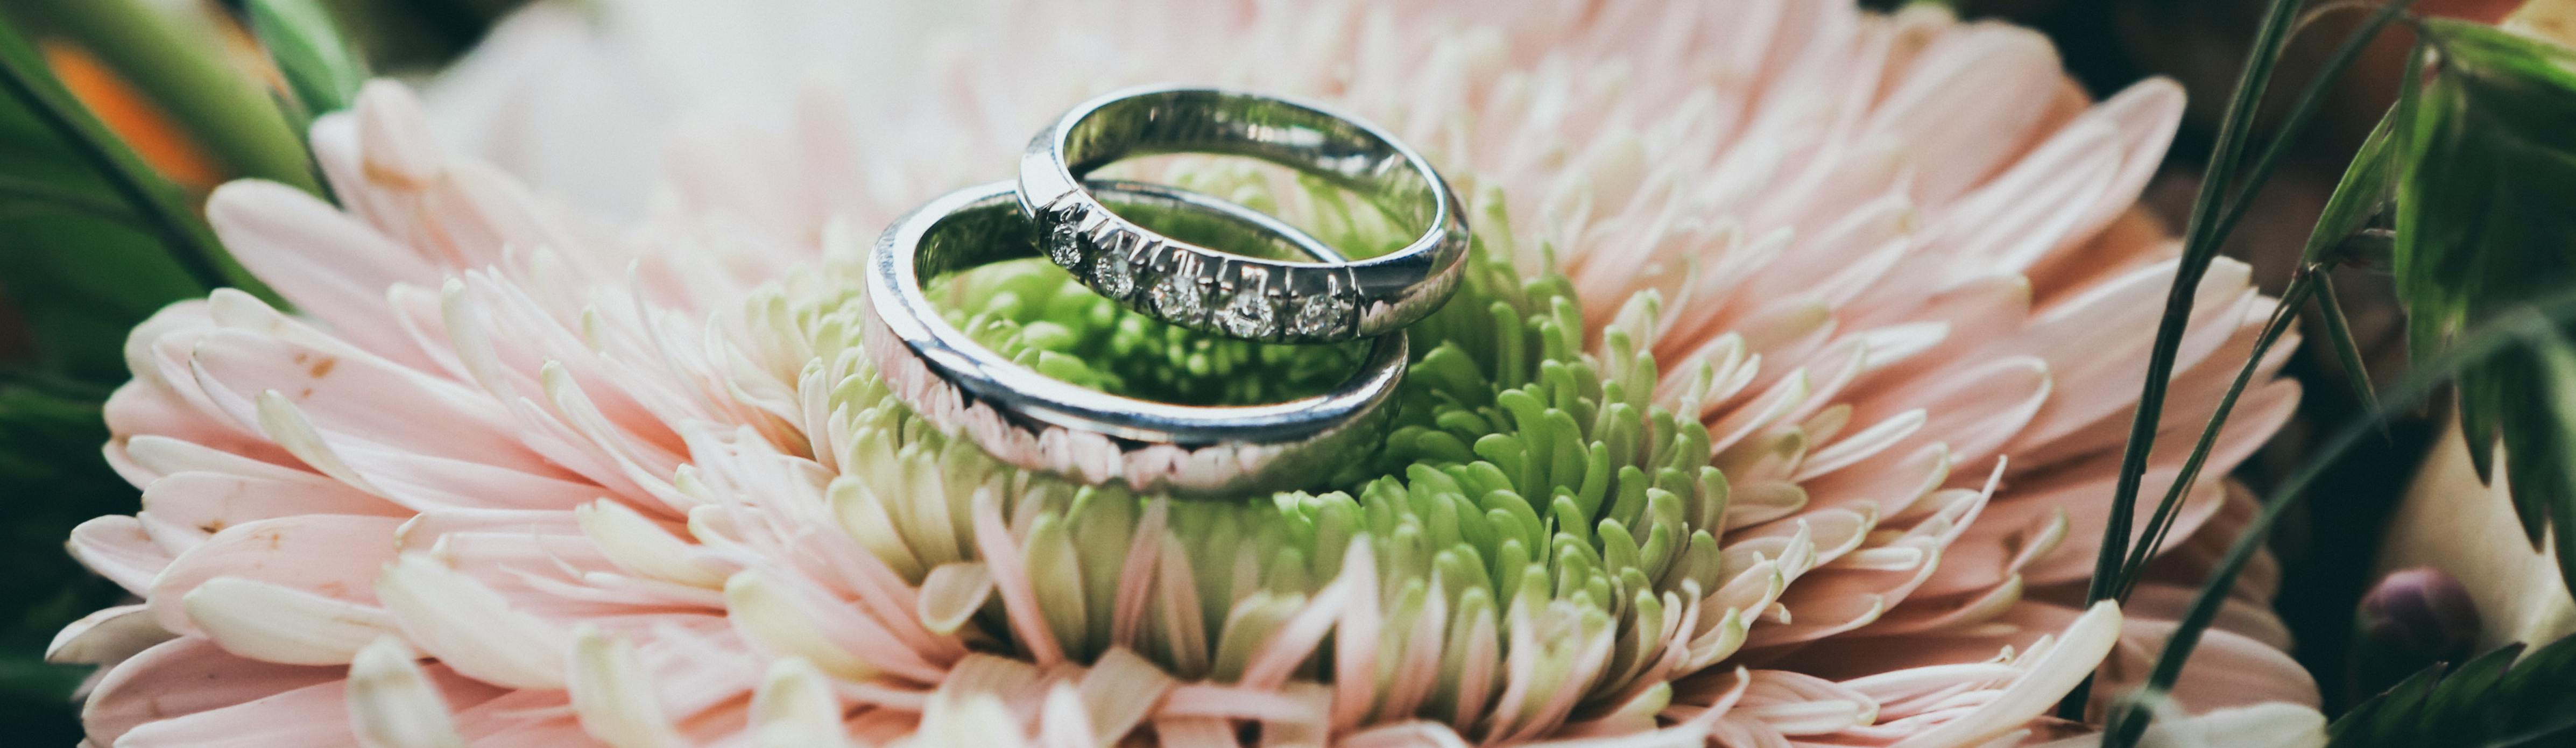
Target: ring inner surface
x,y
1341,152
992,230
982,235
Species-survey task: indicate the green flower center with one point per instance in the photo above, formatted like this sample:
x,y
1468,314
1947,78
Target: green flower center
x,y
1531,501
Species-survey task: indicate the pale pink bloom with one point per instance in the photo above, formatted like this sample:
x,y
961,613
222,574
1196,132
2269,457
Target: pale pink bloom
x,y
577,98
519,475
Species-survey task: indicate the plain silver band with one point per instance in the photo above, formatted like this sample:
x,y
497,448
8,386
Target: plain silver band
x,y
1033,421
1193,286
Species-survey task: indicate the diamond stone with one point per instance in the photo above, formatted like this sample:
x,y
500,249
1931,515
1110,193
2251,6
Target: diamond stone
x,y
1321,314
1178,299
1112,276
1248,315
1064,244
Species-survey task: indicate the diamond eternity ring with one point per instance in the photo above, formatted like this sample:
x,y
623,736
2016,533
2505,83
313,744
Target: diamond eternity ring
x,y
1193,286
1030,420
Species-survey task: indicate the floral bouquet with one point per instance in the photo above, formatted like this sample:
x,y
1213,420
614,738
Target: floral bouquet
x,y
1624,373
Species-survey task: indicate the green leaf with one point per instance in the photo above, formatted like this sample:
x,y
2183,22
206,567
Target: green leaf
x,y
2492,701
81,284
52,477
91,240
2347,351
2365,190
321,69
53,140
2557,377
2482,225
185,70
42,425
41,195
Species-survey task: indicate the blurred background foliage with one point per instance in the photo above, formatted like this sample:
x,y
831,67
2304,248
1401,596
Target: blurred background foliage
x,y
120,115
123,113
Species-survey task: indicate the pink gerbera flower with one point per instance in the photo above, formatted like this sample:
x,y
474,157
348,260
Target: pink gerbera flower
x,y
1805,437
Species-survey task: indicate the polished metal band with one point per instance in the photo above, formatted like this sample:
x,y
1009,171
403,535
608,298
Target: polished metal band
x,y
1028,419
1193,286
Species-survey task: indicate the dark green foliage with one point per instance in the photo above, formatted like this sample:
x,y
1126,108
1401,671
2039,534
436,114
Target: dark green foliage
x,y
87,246
2520,328
2483,225
51,478
91,242
2343,236
2490,702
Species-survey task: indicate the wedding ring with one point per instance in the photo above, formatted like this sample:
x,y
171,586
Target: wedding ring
x,y
1033,421
1192,286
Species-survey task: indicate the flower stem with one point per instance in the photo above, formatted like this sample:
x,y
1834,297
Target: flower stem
x,y
2302,285
2199,248
2118,566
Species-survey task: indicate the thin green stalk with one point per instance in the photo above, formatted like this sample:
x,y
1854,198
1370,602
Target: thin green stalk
x,y
2302,285
36,91
2310,100
2537,321
2117,565
2347,351
2199,248
220,107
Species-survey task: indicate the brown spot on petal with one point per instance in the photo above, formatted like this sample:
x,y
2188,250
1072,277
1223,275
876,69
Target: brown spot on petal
x,y
390,176
320,368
